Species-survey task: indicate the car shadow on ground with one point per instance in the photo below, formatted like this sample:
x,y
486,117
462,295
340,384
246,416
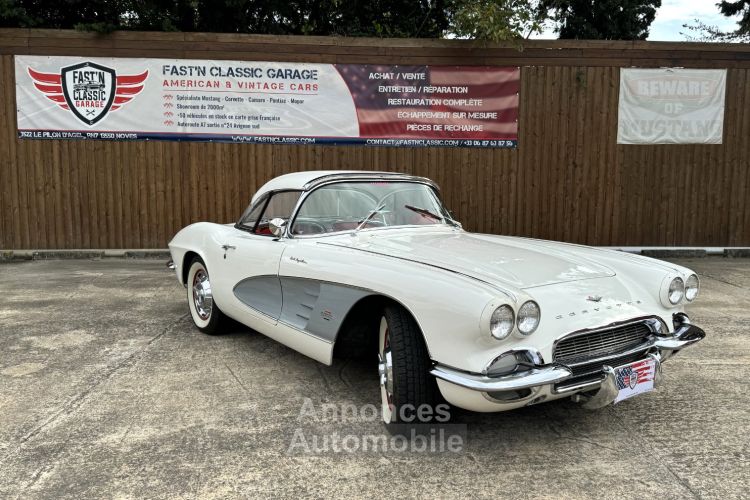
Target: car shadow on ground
x,y
354,381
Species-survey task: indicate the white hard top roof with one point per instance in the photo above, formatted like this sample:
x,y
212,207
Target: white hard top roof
x,y
301,180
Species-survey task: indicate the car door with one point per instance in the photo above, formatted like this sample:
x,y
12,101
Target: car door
x,y
249,268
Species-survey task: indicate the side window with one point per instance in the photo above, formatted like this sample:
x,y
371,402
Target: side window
x,y
279,206
250,217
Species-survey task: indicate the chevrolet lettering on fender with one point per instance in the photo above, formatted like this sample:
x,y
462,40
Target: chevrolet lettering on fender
x,y
373,264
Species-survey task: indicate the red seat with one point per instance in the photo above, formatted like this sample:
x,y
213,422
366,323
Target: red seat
x,y
344,226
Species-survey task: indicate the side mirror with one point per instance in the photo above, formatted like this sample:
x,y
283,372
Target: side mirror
x,y
277,226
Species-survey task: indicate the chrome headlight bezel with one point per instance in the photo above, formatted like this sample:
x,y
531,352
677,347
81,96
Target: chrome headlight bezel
x,y
692,287
505,364
502,315
515,360
529,310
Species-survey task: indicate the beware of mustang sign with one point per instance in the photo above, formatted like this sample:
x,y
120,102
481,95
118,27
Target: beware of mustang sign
x,y
266,102
671,106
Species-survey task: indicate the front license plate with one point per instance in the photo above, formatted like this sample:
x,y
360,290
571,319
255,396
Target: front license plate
x,y
635,378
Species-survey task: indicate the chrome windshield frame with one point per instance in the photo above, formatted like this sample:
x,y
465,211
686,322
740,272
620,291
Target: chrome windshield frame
x,y
343,178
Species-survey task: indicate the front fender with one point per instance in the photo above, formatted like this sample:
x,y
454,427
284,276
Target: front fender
x,y
196,238
447,306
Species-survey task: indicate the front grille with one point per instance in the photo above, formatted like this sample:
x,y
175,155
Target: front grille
x,y
589,368
599,343
592,372
611,343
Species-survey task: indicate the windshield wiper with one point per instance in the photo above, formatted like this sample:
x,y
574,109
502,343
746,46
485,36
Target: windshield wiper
x,y
424,211
369,217
432,215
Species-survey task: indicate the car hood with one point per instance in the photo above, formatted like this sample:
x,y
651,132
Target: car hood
x,y
519,262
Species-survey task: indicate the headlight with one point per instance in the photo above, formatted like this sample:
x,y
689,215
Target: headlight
x,y
502,321
528,317
676,291
691,287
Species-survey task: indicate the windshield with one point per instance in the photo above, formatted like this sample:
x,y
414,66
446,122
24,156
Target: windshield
x,y
351,205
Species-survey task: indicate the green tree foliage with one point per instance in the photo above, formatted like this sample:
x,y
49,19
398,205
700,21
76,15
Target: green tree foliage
x,y
98,15
392,18
492,20
700,31
738,8
11,15
602,19
497,20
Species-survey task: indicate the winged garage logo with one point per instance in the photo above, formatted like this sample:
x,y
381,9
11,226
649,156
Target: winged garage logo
x,y
89,90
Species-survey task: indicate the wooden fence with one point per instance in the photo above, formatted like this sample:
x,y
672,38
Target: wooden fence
x,y
568,180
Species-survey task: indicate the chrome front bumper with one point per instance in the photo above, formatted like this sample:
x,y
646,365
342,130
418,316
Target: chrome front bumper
x,y
658,347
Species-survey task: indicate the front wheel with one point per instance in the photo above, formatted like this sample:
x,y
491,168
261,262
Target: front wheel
x,y
403,368
205,313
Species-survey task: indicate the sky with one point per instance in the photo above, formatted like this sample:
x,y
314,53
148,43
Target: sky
x,y
674,13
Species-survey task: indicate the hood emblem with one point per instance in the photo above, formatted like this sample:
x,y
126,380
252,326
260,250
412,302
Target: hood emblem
x,y
597,309
594,298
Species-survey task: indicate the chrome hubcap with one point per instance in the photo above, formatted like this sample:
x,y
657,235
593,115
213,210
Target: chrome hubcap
x,y
385,371
202,297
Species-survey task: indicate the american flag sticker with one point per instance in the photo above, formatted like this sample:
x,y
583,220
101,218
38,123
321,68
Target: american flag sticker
x,y
635,378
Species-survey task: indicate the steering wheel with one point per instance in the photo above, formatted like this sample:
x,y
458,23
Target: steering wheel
x,y
303,227
382,213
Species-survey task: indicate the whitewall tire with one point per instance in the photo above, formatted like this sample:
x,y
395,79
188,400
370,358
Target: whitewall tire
x,y
206,315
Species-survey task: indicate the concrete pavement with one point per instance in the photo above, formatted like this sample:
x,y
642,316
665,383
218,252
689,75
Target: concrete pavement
x,y
106,390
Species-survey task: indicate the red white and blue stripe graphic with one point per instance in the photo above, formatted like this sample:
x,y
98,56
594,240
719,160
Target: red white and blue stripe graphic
x,y
457,102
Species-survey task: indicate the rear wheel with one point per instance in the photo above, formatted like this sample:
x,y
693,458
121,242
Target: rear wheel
x,y
205,313
403,368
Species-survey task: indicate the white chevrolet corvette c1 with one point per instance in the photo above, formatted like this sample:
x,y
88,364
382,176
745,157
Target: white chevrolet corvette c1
x,y
373,263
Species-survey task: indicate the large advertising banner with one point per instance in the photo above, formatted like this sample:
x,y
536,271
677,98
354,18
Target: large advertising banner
x,y
266,102
671,106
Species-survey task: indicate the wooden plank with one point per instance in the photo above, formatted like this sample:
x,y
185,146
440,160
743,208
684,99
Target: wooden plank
x,y
59,215
10,138
609,170
42,235
72,159
739,130
67,202
82,156
161,210
14,43
98,183
152,213
7,165
173,188
368,55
